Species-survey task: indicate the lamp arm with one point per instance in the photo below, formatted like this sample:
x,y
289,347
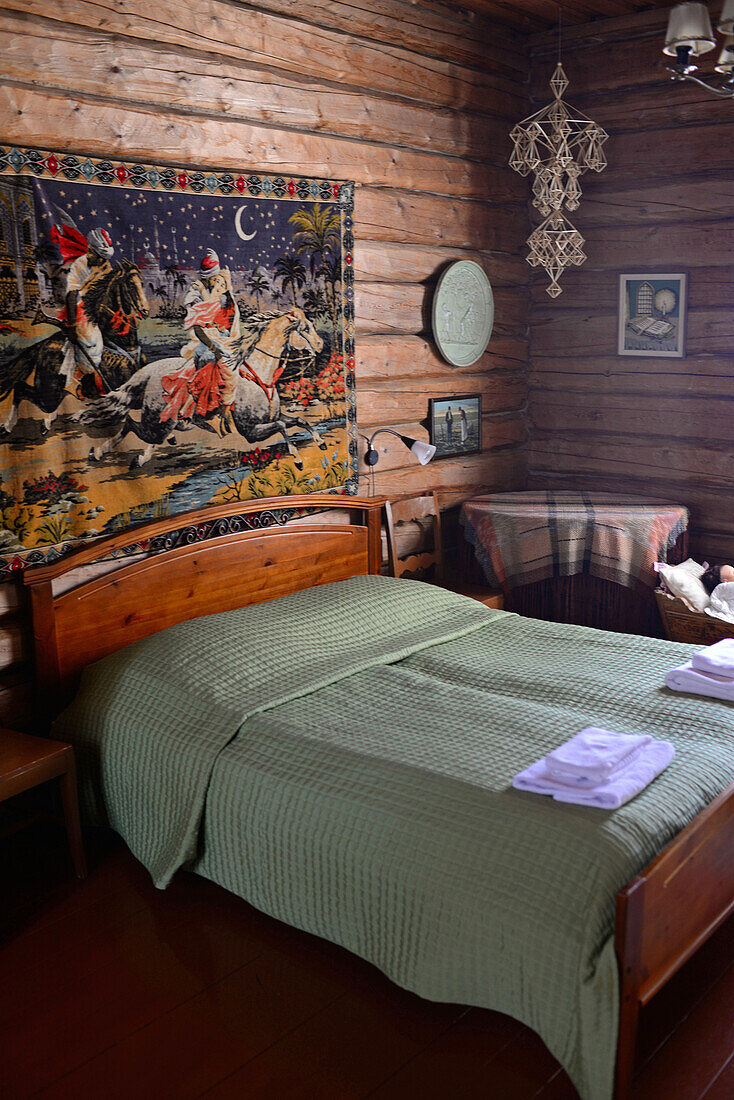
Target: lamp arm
x,y
375,434
722,93
371,456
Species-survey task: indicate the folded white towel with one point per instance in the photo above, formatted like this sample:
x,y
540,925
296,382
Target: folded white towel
x,y
717,658
687,678
648,763
593,755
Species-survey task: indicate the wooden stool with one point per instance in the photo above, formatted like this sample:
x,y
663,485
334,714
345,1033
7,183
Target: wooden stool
x,y
26,761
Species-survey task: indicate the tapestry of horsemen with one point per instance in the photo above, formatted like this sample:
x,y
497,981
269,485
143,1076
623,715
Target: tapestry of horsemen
x,y
169,339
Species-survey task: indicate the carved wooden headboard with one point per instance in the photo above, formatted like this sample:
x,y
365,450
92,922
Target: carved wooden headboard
x,y
181,568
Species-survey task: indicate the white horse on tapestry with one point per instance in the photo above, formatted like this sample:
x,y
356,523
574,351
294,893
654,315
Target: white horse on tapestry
x,y
258,355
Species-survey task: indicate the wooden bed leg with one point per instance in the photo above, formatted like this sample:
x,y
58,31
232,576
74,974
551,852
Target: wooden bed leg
x,y
629,1010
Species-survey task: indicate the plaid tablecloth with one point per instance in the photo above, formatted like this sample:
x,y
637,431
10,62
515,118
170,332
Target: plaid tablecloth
x,y
520,538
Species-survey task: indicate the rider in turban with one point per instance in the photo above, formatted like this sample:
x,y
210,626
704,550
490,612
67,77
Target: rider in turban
x,y
213,318
83,352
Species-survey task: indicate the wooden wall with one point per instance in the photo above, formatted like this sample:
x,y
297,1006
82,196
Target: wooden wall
x,y
665,203
413,101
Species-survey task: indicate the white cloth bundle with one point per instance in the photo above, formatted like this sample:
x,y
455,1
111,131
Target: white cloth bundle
x,y
593,755
635,768
722,602
717,659
688,678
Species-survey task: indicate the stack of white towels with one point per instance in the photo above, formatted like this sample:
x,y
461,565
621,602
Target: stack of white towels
x,y
710,672
598,767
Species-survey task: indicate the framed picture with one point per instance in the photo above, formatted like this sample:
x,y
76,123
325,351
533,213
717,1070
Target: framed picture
x,y
652,315
455,424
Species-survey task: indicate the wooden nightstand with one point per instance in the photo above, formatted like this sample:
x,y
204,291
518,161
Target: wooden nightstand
x,y
26,761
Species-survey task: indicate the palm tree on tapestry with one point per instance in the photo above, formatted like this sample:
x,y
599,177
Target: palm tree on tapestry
x,y
161,292
180,280
170,273
317,232
291,273
332,274
314,301
258,284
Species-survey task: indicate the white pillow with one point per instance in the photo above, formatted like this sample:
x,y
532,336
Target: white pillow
x,y
684,581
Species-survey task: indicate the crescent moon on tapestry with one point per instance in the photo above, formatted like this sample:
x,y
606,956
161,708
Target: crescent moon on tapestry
x,y
238,226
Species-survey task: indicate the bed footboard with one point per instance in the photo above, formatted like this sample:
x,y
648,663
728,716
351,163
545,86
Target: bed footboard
x,y
667,912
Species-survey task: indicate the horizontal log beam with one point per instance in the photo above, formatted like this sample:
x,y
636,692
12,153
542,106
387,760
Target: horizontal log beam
x,y
380,406
670,460
687,419
382,261
502,471
406,308
397,356
414,218
15,640
136,75
577,376
455,34
709,288
245,34
52,121
13,598
586,333
655,107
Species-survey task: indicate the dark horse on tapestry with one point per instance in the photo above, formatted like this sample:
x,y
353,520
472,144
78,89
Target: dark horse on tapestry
x,y
115,303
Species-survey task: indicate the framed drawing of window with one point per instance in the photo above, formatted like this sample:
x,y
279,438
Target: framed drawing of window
x,y
652,315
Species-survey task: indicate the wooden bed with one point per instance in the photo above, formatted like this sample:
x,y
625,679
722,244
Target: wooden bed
x,y
245,553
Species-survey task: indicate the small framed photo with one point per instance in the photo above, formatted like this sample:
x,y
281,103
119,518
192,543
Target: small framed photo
x,y
455,424
652,315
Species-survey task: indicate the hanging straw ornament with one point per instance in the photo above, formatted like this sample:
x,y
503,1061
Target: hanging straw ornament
x,y
557,145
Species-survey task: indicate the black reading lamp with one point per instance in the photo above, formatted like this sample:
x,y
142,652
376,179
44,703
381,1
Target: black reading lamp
x,y
424,452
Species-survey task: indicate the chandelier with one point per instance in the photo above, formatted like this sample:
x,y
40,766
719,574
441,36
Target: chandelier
x,y
690,34
557,144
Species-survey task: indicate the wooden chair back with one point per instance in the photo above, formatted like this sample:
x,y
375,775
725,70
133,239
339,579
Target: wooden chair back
x,y
415,507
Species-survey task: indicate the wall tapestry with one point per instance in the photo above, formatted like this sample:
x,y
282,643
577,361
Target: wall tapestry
x,y
169,338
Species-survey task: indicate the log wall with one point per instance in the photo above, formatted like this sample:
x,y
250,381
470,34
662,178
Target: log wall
x,y
666,203
414,102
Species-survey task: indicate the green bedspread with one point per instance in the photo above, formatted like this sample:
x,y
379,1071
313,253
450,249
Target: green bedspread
x,y
350,750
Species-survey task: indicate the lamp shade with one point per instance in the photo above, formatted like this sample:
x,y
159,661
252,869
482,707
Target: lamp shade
x,y
424,452
726,57
726,23
689,25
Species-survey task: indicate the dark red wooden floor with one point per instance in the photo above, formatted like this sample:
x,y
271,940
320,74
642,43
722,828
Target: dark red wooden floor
x,y
111,988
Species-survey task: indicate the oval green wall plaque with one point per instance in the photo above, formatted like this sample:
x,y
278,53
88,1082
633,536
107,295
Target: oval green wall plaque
x,y
463,313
